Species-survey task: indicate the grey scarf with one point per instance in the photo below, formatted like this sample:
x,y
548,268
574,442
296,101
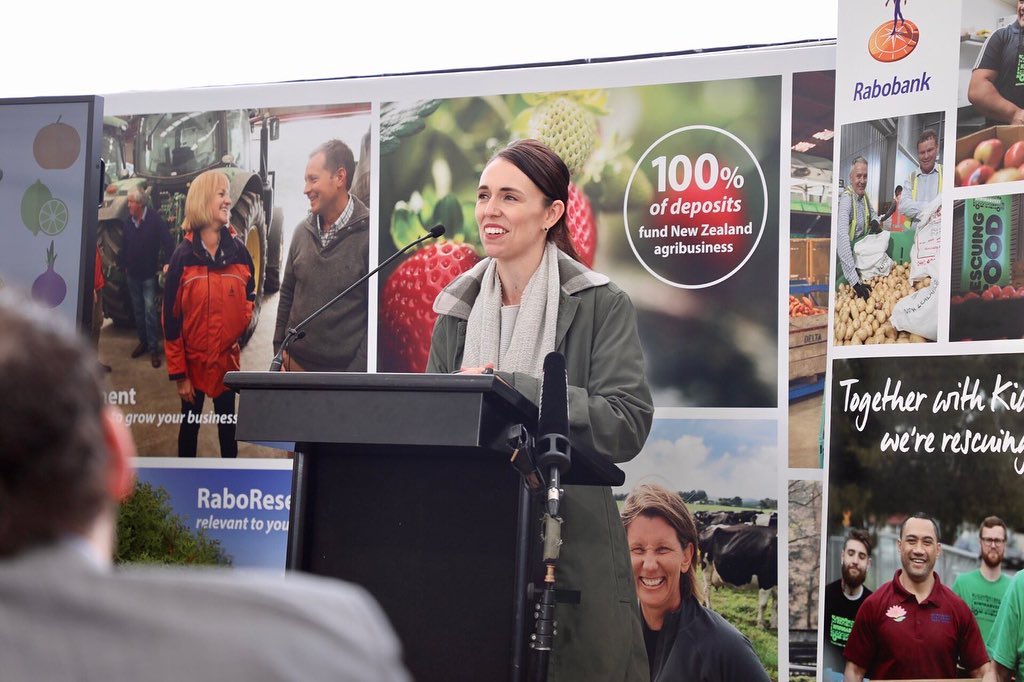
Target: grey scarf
x,y
534,333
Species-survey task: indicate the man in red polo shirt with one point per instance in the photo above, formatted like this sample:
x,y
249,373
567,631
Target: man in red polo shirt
x,y
914,627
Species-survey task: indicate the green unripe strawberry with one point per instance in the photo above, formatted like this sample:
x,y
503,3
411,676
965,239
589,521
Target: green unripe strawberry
x,y
567,128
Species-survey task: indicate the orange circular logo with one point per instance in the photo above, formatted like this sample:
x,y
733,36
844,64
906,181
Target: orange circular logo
x,y
893,40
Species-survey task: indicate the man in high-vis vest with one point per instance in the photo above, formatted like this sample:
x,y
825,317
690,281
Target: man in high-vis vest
x,y
924,183
856,218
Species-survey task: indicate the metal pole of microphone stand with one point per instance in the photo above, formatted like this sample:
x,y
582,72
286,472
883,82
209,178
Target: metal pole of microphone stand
x,y
522,579
545,630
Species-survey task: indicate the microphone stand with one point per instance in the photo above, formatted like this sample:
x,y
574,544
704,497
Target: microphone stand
x,y
555,449
296,331
554,452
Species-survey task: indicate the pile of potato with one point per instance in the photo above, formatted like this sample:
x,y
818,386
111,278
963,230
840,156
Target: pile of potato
x,y
860,321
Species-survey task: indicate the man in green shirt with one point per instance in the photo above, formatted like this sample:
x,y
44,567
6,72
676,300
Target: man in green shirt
x,y
1007,647
983,589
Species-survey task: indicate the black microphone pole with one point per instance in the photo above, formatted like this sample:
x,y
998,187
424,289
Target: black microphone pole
x,y
296,331
554,453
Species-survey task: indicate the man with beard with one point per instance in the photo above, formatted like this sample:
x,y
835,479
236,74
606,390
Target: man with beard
x,y
983,589
843,598
914,627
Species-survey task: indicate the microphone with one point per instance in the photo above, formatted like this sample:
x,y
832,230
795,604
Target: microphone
x,y
553,448
296,331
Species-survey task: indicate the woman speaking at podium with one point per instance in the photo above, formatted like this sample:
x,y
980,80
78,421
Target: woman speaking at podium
x,y
529,297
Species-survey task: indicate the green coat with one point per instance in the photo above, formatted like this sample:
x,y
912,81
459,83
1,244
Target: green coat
x,y
610,413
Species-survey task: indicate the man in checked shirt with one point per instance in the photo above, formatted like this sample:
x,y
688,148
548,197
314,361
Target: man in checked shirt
x,y
329,251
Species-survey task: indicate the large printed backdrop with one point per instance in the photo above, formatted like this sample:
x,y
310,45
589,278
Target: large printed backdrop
x,y
714,346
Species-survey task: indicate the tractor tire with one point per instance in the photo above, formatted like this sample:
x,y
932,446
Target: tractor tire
x,y
275,248
117,302
250,224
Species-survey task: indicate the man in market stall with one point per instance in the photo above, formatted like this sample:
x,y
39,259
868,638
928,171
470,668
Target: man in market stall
x,y
914,627
996,88
924,182
856,218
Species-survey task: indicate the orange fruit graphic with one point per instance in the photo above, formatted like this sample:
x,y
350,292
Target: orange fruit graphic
x,y
56,146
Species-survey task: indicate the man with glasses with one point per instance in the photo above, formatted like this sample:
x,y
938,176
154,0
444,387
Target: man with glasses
x,y
983,589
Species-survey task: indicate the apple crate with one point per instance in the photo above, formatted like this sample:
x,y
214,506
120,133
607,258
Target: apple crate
x,y
808,346
1005,134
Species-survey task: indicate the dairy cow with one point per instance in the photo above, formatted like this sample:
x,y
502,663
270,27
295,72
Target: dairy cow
x,y
739,555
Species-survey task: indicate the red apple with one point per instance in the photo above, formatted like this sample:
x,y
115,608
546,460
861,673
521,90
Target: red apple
x,y
990,152
1006,175
980,176
1014,155
964,170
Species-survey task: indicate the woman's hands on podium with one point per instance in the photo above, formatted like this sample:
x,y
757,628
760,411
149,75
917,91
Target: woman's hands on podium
x,y
486,369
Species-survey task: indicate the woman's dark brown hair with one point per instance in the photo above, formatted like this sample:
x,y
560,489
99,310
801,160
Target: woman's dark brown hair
x,y
546,170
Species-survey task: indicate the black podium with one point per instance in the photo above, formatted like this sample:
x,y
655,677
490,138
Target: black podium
x,y
402,484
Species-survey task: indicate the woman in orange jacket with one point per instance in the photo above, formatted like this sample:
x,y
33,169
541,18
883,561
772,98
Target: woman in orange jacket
x,y
208,303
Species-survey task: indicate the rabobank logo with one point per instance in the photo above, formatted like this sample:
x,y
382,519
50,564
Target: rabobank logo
x,y
894,40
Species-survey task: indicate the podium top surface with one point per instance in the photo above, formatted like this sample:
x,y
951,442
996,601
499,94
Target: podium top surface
x,y
393,409
383,381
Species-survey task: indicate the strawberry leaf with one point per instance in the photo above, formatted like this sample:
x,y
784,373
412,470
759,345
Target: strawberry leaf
x,y
402,119
405,225
448,212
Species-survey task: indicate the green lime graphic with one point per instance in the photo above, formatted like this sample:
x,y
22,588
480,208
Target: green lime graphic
x,y
53,217
32,203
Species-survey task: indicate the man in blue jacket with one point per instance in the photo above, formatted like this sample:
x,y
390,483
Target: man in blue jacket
x,y
145,248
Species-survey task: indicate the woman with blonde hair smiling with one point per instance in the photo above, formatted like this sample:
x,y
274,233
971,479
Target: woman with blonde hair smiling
x,y
208,303
684,640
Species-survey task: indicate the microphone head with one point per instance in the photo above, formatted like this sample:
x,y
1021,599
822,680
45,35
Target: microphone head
x,y
436,231
554,362
553,414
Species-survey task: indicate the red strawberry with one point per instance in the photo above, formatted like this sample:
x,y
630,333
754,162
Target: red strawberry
x,y
408,299
579,218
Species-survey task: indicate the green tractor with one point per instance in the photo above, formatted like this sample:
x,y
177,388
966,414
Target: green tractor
x,y
168,151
